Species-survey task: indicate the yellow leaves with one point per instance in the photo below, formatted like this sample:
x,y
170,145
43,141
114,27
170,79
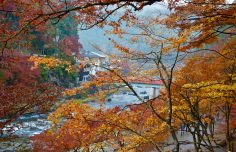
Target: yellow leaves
x,y
211,19
71,92
180,108
50,63
69,110
199,85
153,125
181,40
212,91
233,76
213,95
223,87
176,42
150,121
105,129
133,141
228,48
234,15
97,128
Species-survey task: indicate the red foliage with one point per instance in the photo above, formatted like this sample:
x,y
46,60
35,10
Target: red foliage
x,y
20,90
82,127
71,44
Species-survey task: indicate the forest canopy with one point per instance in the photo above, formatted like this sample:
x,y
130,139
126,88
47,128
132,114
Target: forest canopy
x,y
186,57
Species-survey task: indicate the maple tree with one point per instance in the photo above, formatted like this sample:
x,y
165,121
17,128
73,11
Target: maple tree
x,y
93,13
205,93
95,129
20,90
192,97
70,44
55,70
104,82
164,72
217,13
208,19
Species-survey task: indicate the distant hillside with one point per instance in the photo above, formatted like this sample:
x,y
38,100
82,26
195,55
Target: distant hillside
x,y
97,35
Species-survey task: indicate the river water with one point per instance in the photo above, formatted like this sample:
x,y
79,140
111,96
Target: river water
x,y
34,123
28,125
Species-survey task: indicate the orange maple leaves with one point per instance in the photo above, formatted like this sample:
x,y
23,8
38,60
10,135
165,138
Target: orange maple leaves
x,y
96,128
51,63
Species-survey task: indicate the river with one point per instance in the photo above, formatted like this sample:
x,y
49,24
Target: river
x,y
34,123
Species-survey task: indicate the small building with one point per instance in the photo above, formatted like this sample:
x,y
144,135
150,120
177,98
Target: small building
x,y
94,62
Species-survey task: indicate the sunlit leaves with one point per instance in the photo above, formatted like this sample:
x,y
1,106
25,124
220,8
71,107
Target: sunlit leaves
x,y
51,63
20,90
86,126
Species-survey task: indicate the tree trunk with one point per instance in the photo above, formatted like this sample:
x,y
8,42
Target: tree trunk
x,y
176,141
227,120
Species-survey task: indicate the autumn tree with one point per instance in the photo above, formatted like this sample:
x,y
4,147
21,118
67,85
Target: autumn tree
x,y
205,93
153,64
180,44
195,24
209,19
24,88
93,13
96,129
218,13
21,92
